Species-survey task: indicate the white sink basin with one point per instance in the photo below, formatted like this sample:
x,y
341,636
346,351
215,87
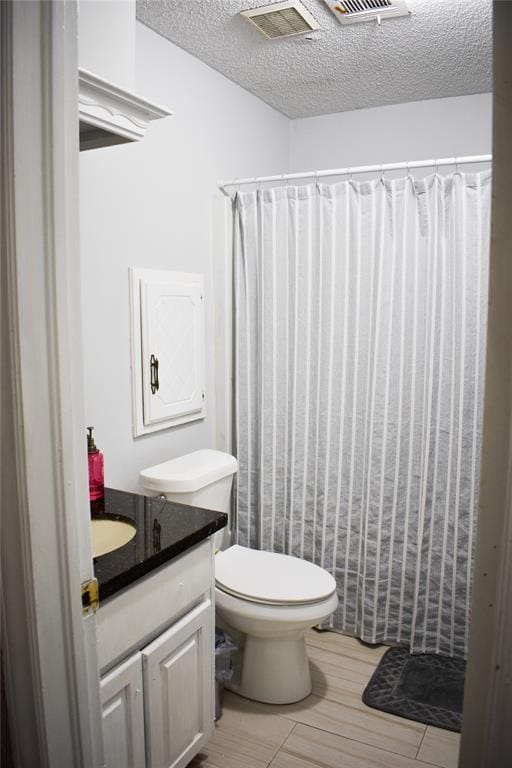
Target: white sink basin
x,y
109,534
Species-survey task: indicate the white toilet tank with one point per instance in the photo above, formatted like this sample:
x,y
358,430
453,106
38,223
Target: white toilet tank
x,y
199,479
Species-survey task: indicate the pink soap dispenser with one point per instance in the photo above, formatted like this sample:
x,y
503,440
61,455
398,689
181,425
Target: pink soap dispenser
x,y
95,459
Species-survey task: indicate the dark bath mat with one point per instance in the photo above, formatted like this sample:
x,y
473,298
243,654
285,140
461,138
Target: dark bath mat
x,y
426,687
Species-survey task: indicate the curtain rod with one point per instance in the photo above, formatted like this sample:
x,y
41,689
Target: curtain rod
x,y
357,169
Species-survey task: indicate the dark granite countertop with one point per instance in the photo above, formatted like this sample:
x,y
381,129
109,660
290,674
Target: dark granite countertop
x,y
164,531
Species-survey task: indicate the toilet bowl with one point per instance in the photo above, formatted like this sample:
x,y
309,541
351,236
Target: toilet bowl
x,y
269,600
265,599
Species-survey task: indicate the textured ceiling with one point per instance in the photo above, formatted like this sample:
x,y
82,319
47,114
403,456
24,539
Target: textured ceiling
x,y
442,49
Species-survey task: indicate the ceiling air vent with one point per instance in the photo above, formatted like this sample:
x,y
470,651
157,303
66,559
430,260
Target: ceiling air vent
x,y
281,19
356,11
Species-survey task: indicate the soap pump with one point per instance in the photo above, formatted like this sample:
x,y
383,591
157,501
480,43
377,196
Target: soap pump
x,y
95,461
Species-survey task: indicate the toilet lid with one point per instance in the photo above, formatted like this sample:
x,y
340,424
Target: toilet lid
x,y
268,577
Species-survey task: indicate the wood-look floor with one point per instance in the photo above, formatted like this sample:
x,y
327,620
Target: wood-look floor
x,y
332,728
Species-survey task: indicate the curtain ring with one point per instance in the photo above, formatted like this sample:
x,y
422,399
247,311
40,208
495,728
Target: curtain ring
x,y
350,174
382,174
456,164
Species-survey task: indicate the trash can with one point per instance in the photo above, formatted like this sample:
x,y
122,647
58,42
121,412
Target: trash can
x,y
224,648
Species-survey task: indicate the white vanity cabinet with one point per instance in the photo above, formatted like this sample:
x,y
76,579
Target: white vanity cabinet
x,y
123,715
156,651
177,671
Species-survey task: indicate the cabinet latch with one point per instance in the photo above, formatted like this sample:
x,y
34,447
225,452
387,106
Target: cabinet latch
x,y
90,597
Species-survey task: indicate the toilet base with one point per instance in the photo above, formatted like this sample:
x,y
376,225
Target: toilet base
x,y
271,664
273,670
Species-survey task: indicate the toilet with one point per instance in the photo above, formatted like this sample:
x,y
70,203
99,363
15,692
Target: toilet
x,y
265,600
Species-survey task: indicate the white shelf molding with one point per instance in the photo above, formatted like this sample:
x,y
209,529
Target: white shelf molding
x,y
110,115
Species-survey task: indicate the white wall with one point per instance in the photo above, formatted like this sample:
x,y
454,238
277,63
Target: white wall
x,y
418,130
150,205
106,39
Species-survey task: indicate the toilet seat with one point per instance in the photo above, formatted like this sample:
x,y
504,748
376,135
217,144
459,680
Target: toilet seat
x,y
270,578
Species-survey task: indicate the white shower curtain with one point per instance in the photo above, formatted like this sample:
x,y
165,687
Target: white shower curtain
x,y
360,331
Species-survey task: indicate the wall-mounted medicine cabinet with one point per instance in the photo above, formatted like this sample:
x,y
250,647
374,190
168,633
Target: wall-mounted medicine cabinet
x,y
167,349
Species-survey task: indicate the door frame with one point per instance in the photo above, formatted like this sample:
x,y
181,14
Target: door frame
x,y
48,647
487,716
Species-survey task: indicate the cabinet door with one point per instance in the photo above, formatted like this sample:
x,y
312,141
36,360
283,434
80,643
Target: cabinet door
x,y
178,689
123,715
172,315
